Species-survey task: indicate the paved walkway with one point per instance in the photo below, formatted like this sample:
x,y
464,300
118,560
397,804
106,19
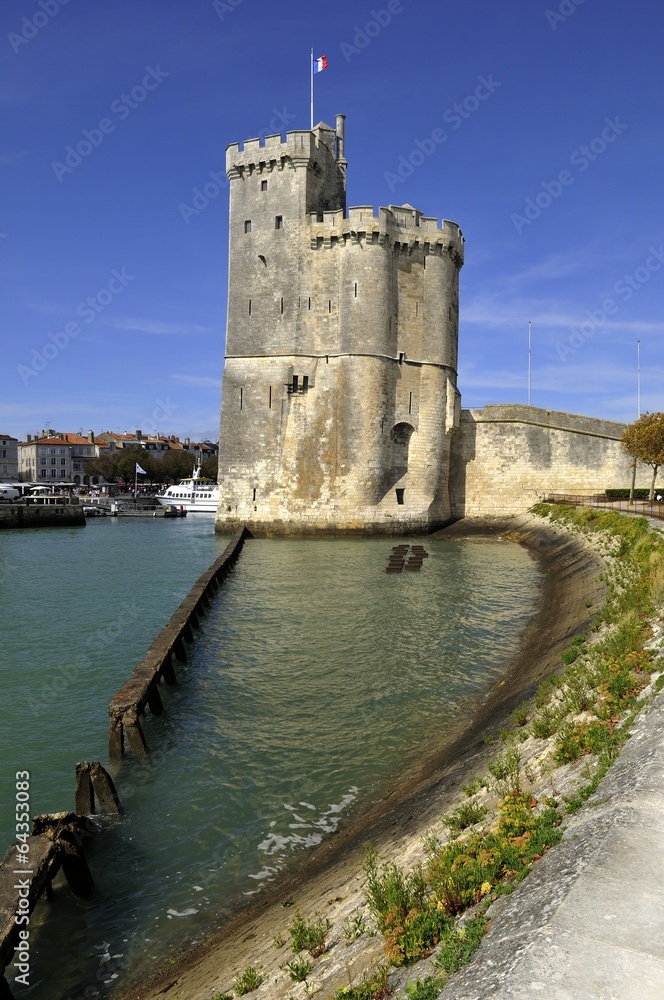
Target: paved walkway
x,y
588,923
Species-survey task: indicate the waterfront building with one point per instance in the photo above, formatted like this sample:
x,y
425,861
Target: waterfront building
x,y
57,457
9,464
158,445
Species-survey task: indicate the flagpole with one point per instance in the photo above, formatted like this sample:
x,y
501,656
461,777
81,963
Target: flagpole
x,y
529,368
638,378
312,89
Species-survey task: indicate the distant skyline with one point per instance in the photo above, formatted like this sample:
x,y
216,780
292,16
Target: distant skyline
x,y
536,127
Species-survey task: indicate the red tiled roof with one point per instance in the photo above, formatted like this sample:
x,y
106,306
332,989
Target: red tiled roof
x,y
63,439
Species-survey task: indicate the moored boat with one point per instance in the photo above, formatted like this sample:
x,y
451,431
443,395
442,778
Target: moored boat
x,y
194,494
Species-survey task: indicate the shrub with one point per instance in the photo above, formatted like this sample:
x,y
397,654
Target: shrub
x,y
505,769
353,927
389,890
309,935
299,968
472,786
465,815
545,724
520,715
248,981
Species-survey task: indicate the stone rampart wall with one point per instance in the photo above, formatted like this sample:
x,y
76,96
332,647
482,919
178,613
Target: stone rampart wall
x,y
505,458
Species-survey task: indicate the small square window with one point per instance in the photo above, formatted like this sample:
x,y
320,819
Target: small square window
x,y
263,185
279,222
247,225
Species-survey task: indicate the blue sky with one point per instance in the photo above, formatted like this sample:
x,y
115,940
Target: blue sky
x,y
114,295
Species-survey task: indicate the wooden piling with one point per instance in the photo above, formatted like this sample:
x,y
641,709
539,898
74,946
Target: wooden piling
x,y
155,702
135,736
168,672
84,796
105,794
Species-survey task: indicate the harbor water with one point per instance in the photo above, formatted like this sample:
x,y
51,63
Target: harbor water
x,y
315,679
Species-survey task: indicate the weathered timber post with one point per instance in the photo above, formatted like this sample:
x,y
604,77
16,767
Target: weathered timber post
x,y
104,791
135,736
180,650
75,866
116,736
168,672
84,800
154,701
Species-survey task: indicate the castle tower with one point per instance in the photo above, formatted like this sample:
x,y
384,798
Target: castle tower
x,y
339,389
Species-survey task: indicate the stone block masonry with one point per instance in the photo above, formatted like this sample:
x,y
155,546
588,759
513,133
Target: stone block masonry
x,y
339,391
506,458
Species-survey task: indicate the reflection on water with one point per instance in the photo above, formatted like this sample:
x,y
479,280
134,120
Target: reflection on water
x,y
315,678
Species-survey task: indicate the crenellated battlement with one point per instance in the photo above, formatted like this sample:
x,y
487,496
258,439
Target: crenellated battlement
x,y
298,147
395,224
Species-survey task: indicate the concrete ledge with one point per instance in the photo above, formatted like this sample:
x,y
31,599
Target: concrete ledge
x,y
22,516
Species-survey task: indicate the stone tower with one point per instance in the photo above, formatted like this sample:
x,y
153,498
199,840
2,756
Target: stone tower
x,y
339,389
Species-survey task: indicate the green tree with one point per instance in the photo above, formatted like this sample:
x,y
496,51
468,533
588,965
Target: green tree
x,y
129,458
175,465
210,468
105,466
644,441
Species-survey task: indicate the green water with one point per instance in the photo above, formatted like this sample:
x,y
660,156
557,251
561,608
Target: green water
x,y
315,678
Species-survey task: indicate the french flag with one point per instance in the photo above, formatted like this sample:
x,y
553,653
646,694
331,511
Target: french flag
x,y
320,64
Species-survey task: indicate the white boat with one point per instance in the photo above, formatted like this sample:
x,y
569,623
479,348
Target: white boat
x,y
197,494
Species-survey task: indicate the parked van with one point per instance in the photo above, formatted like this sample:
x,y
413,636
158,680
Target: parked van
x,y
8,494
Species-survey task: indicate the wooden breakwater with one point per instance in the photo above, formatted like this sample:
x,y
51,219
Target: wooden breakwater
x,y
141,690
18,515
55,844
